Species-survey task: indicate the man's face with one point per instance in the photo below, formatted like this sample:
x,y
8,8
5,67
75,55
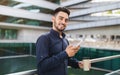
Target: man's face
x,y
60,21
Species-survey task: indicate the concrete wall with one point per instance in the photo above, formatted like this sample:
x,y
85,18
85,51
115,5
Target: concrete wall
x,y
30,35
108,30
26,36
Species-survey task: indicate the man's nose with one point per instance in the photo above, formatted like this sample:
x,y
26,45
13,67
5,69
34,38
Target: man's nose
x,y
63,21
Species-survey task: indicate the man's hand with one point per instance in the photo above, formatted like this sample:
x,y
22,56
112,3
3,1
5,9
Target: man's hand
x,y
72,50
82,64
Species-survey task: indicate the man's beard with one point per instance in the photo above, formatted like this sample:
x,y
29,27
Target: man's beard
x,y
55,24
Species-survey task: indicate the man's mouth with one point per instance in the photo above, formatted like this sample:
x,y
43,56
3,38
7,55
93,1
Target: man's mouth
x,y
62,25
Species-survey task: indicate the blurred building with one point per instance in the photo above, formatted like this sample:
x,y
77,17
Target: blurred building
x,y
96,22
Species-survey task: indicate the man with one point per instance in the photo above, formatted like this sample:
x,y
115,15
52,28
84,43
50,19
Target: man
x,y
54,53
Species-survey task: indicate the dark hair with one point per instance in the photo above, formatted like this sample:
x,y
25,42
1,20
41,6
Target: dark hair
x,y
63,9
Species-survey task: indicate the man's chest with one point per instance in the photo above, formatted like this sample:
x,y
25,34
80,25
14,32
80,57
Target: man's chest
x,y
58,45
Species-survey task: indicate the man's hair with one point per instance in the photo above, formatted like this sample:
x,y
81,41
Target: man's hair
x,y
63,9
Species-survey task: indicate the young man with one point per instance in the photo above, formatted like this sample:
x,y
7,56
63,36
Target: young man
x,y
54,53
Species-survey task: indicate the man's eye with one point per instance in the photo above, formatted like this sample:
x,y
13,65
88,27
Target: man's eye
x,y
60,18
66,20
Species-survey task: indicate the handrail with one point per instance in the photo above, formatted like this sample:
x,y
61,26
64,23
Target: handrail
x,y
117,72
29,72
32,72
104,58
15,56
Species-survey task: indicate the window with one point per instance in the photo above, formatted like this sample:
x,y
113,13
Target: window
x,y
8,34
80,36
118,37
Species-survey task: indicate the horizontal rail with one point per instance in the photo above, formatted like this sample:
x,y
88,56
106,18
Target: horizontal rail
x,y
104,58
29,72
117,72
33,72
16,56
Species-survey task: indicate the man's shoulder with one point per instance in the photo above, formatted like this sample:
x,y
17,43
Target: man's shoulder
x,y
45,36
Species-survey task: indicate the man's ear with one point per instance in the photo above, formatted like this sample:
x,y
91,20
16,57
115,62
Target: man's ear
x,y
53,18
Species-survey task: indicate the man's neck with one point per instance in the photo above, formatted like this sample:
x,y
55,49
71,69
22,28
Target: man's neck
x,y
60,33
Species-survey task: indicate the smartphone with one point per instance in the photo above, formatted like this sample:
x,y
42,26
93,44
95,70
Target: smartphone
x,y
79,43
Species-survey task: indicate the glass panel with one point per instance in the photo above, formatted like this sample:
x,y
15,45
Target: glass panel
x,y
8,34
72,71
0,33
12,65
92,53
8,49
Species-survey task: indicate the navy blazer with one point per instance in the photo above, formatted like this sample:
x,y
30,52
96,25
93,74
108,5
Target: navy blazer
x,y
51,56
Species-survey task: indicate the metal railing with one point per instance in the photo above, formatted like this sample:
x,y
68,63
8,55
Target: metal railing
x,y
32,72
104,58
29,72
117,72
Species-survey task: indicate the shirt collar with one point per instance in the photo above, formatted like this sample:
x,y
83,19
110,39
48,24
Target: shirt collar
x,y
55,33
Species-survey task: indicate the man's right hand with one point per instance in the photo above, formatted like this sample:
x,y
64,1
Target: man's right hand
x,y
72,50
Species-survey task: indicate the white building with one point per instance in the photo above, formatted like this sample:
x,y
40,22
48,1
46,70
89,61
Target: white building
x,y
23,21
